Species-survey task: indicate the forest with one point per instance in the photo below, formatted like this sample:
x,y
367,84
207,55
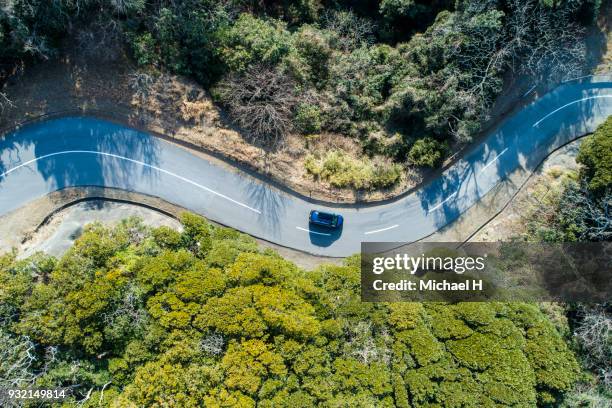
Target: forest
x,y
410,81
132,317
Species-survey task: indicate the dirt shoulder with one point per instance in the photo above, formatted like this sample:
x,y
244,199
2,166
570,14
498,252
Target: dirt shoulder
x,y
58,233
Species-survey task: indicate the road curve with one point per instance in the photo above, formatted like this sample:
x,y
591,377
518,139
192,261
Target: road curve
x,y
79,151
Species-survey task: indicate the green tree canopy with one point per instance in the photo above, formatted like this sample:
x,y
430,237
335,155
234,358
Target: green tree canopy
x,y
596,156
132,316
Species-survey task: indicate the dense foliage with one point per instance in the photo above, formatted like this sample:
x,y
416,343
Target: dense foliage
x,y
341,170
404,77
596,157
137,317
581,210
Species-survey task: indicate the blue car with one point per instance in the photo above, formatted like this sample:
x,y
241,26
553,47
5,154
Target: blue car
x,y
325,219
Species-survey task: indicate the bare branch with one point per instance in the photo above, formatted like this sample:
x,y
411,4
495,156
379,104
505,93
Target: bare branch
x,y
261,101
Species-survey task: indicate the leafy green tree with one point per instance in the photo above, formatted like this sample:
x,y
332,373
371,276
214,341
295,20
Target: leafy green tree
x,y
252,40
308,119
311,59
596,156
134,316
392,9
144,48
427,152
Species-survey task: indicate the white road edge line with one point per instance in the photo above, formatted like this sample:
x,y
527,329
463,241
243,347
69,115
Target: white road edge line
x,y
381,230
568,104
133,161
442,203
530,90
492,161
313,232
577,78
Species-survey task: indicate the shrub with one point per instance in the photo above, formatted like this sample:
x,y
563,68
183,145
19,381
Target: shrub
x,y
341,170
363,78
144,48
253,40
167,237
596,156
427,152
392,9
386,174
313,53
308,119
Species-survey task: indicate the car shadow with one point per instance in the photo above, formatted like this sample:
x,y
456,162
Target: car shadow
x,y
322,236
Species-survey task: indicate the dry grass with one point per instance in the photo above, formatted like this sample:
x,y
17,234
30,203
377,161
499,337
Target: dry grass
x,y
196,112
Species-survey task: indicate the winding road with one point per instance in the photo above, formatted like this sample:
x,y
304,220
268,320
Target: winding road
x,y
79,151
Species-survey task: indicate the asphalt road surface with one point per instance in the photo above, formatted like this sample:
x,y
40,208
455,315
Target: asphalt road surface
x,y
78,151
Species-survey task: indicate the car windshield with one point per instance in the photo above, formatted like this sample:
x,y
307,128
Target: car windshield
x,y
326,216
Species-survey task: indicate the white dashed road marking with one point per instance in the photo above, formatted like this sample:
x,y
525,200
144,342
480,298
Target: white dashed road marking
x,y
492,161
381,230
132,161
568,104
313,232
442,203
529,91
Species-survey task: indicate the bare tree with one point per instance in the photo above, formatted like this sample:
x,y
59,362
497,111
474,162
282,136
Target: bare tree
x,y
367,346
594,335
351,30
261,101
543,42
4,102
590,214
125,6
126,315
141,83
102,40
549,39
17,357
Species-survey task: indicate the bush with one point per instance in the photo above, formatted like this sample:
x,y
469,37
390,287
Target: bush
x,y
308,119
596,156
363,78
427,152
392,9
341,170
252,40
144,48
313,53
386,174
167,237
